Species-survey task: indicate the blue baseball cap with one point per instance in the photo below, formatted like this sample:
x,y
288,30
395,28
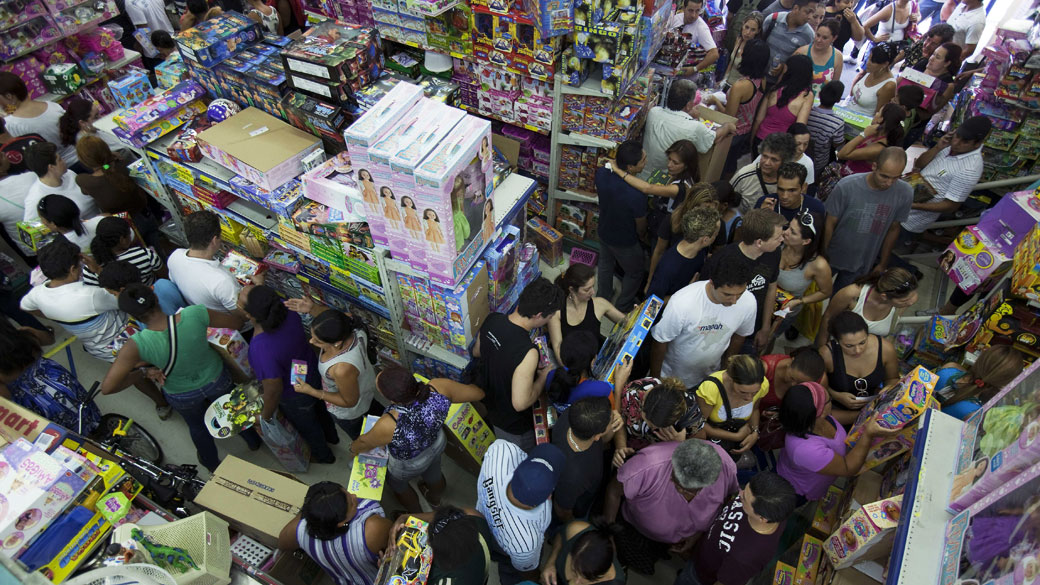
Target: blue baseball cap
x,y
535,478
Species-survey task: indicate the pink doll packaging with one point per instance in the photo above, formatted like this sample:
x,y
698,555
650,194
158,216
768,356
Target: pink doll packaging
x,y
402,167
989,473
335,184
455,195
365,132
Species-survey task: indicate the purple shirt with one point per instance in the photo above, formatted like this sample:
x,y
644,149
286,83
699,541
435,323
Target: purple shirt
x,y
653,504
271,354
802,459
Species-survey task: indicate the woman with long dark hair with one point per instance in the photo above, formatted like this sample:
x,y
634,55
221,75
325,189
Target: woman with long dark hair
x,y
876,85
582,310
278,341
60,215
801,264
108,183
789,102
879,298
859,365
684,170
743,98
113,241
885,130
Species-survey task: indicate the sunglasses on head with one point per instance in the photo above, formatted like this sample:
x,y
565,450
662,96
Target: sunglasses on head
x,y
807,220
904,288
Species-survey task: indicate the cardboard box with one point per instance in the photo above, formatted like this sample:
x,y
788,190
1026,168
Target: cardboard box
x,y
255,501
19,422
64,78
809,557
625,338
973,258
866,535
710,163
828,511
783,574
334,184
261,148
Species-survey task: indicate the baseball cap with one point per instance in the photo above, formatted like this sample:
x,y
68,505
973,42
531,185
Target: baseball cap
x,y
535,478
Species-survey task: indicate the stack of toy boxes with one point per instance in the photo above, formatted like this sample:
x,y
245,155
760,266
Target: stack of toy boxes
x,y
160,114
283,200
609,37
653,25
1025,278
171,71
323,119
356,12
578,166
498,90
535,104
552,18
333,183
576,220
512,40
449,31
446,316
502,259
400,22
218,38
333,60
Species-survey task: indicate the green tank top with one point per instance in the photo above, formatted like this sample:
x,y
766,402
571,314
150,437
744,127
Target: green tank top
x,y
197,364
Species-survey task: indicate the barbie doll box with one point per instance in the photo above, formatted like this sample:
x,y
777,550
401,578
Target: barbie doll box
x,y
334,184
987,474
375,123
454,189
974,256
866,535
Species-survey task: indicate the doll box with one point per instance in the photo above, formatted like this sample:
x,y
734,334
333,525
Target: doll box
x,y
973,257
456,181
999,469
1025,278
334,184
216,39
899,405
625,338
828,511
374,123
158,106
1011,218
234,350
866,535
259,147
809,560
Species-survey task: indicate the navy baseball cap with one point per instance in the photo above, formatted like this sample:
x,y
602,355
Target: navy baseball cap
x,y
535,478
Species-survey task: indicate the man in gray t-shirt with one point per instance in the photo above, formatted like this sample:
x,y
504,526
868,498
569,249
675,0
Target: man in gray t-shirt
x,y
863,216
786,31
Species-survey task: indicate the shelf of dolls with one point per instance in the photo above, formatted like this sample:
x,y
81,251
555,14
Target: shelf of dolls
x,y
28,36
15,12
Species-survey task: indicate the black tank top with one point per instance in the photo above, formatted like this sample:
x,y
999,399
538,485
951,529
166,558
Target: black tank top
x,y
589,323
841,381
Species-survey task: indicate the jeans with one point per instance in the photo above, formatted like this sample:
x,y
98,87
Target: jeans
x,y
525,441
928,8
351,426
425,465
632,261
687,575
192,407
314,423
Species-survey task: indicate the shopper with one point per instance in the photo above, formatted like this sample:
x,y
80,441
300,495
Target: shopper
x,y
13,188
583,553
684,173
675,121
787,102
12,148
745,535
879,298
31,116
507,362
853,245
784,371
198,11
750,29
462,545
622,225
40,384
580,433
672,492
682,262
703,321
850,25
573,380
942,66
77,123
918,54
346,361
814,452
826,129
885,129
729,400
163,43
802,137
690,24
876,85
109,183
896,23
654,410
266,15
743,97
802,265
582,310
759,178
962,391
150,14
968,21
341,532
785,32
279,342
859,365
113,241
412,431
790,200
513,493
190,371
196,272
53,178
827,60
60,215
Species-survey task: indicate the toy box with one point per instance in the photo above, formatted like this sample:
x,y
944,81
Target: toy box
x,y
158,106
465,306
63,78
315,116
547,239
809,557
132,88
1025,277
1011,218
333,183
897,406
143,136
987,474
625,338
866,535
33,234
783,574
973,257
336,59
412,558
470,430
283,200
216,39
171,72
241,267
234,350
455,181
259,147
828,511
368,474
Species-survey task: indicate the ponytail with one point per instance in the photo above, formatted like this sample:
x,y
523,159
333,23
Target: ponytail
x,y
110,231
576,354
332,326
264,305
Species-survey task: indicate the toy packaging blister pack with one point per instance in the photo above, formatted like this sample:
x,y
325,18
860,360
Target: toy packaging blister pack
x,y
368,474
335,184
235,411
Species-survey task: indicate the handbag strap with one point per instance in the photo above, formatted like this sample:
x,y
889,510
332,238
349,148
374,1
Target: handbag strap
x,y
725,398
171,331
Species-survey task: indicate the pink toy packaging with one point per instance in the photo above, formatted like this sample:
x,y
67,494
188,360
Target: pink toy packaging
x,y
365,132
402,169
335,184
455,182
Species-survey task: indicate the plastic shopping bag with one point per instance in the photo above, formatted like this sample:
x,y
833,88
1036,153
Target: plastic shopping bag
x,y
285,443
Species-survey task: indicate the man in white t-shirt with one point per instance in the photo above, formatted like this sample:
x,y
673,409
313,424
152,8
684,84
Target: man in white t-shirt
x,y
13,189
53,178
968,21
676,121
200,278
703,321
513,492
691,23
149,13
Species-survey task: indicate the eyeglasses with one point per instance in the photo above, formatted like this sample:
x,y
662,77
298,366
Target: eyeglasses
x,y
807,220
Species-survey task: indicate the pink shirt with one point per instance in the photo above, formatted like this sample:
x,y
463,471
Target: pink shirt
x,y
653,504
802,459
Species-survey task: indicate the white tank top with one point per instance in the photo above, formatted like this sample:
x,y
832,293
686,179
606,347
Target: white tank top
x,y
882,327
864,99
895,30
356,356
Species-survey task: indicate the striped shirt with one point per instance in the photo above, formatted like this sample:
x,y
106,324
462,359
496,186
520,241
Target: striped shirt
x,y
519,532
827,132
147,262
751,186
953,177
345,558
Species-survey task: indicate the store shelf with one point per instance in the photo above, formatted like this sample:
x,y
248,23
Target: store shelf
x,y
419,346
577,139
568,195
129,57
592,86
477,112
918,546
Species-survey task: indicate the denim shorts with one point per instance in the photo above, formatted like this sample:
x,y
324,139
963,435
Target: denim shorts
x,y
401,471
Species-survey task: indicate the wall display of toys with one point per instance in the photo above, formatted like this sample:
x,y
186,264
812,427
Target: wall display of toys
x,y
26,27
490,91
601,117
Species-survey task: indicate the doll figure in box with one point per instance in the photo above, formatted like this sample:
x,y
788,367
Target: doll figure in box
x,y
368,188
967,478
390,211
411,218
489,220
485,151
458,213
434,233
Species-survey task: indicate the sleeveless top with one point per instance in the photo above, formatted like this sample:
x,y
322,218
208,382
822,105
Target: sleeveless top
x,y
268,21
777,119
852,167
418,425
589,323
843,382
356,357
561,563
346,557
822,73
793,281
882,327
746,110
771,400
864,99
895,30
